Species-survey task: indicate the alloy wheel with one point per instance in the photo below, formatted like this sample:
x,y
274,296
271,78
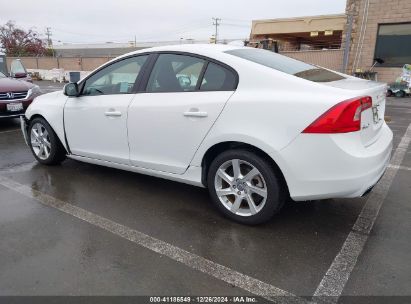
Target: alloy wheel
x,y
40,141
240,187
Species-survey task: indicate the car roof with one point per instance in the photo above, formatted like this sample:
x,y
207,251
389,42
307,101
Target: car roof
x,y
201,49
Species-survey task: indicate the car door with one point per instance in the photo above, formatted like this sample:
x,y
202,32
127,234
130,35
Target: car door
x,y
96,121
167,122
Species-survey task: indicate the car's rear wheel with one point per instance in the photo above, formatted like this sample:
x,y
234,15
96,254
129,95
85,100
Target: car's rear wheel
x,y
44,143
400,94
245,187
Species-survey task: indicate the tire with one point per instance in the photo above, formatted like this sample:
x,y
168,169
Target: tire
x,y
258,181
389,93
400,94
44,143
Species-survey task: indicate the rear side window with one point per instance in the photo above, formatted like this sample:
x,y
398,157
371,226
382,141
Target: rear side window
x,y
218,78
175,73
286,64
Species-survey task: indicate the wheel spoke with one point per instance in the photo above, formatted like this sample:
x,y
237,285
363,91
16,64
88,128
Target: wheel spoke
x,y
46,152
250,175
41,152
35,144
34,133
236,168
47,143
260,191
221,173
225,192
236,205
251,204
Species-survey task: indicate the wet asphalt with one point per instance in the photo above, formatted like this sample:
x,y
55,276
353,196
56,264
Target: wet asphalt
x,y
46,252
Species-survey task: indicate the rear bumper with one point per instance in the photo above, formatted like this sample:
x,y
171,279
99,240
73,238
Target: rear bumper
x,y
320,166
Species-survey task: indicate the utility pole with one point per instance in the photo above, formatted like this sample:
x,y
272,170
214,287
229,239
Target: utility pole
x,y
48,33
216,22
49,41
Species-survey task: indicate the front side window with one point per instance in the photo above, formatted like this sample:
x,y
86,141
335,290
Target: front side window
x,y
394,44
175,73
117,78
218,78
286,64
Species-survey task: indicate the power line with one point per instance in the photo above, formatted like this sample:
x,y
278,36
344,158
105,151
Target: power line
x,y
236,25
216,22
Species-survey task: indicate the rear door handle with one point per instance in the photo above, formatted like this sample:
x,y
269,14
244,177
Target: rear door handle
x,y
113,114
192,113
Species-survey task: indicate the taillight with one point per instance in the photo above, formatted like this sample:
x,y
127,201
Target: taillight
x,y
344,117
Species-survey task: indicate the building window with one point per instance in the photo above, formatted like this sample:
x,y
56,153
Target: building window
x,y
394,44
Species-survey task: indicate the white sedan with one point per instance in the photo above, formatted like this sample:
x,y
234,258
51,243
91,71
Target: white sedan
x,y
252,126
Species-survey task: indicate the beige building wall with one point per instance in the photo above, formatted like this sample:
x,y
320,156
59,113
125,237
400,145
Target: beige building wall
x,y
379,12
298,25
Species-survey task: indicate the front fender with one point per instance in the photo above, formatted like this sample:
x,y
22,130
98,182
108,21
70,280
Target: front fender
x,y
51,107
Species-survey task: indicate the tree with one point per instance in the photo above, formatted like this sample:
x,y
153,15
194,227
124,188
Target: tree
x,y
18,42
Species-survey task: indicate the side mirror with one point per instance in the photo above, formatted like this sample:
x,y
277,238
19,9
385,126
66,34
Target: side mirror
x,y
71,89
19,75
379,60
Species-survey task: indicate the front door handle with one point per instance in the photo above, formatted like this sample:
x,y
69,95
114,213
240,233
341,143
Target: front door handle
x,y
195,113
112,113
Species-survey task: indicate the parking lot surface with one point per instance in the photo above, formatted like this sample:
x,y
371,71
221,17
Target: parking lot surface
x,y
80,229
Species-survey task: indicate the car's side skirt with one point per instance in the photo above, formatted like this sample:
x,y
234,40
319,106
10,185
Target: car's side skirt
x,y
192,176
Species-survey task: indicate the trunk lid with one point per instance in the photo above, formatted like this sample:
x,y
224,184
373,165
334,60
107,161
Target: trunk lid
x,y
371,119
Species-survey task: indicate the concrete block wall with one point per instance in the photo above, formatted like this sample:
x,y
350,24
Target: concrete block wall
x,y
331,59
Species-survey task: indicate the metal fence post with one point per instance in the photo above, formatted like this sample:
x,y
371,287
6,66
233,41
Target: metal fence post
x,y
347,44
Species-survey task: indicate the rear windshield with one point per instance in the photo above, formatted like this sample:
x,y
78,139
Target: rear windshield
x,y
286,64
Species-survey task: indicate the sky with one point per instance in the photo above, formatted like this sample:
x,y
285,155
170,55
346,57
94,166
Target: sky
x,y
98,21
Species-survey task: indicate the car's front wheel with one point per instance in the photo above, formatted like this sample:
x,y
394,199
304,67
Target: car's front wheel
x,y
245,187
44,143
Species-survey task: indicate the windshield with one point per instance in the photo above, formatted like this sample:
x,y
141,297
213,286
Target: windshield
x,y
286,64
17,67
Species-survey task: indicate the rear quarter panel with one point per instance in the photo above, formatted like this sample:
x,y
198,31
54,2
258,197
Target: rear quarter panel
x,y
269,110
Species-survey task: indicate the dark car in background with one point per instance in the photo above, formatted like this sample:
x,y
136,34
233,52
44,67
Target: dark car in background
x,y
15,96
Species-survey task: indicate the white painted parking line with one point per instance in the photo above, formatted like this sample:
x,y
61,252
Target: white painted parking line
x,y
189,259
332,285
19,168
9,131
400,168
